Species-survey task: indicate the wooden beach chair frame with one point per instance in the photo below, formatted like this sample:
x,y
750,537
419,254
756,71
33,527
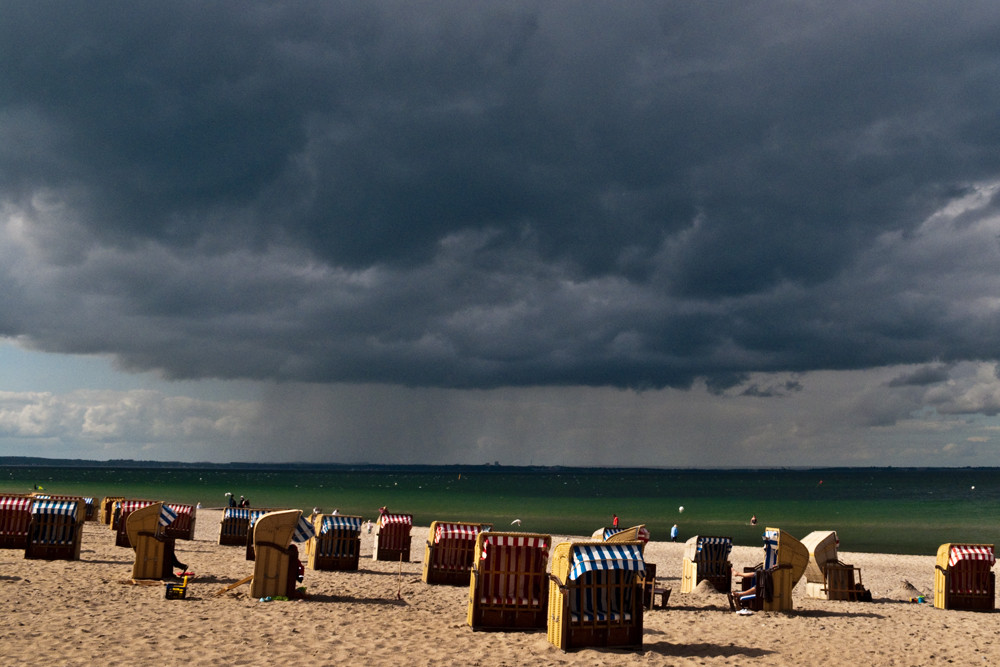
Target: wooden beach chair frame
x,y
154,549
964,578
276,558
56,530
337,544
706,558
392,538
600,607
15,517
827,578
450,551
234,526
509,585
785,561
128,506
107,512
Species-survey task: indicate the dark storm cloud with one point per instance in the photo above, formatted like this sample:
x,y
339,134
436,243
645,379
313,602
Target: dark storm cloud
x,y
471,195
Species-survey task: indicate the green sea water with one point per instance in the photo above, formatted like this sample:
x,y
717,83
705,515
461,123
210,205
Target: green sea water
x,y
878,510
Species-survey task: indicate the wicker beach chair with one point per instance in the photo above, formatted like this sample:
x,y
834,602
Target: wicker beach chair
x,y
234,527
15,517
107,513
56,530
595,595
964,578
509,586
337,544
640,533
153,545
770,586
276,563
706,558
450,551
89,508
392,538
124,508
827,578
254,515
182,525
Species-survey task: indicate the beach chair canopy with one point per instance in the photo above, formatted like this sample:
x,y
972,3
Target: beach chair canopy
x,y
406,519
608,532
515,541
236,513
339,522
716,547
457,531
304,531
167,515
128,506
16,504
54,507
963,552
595,557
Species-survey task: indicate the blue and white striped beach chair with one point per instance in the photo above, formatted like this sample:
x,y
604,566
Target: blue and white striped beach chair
x,y
234,528
337,544
706,558
595,596
56,530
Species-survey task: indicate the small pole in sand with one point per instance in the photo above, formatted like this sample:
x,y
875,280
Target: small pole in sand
x,y
399,579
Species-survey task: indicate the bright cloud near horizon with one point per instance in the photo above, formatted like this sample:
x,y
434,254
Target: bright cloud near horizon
x,y
681,234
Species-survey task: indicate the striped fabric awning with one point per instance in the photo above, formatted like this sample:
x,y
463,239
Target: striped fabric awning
x,y
516,541
180,509
961,552
720,544
54,507
167,515
591,557
643,533
133,505
396,518
456,531
770,549
253,515
235,513
17,504
331,523
304,531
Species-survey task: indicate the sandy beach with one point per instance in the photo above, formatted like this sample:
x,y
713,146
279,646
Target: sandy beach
x,y
89,612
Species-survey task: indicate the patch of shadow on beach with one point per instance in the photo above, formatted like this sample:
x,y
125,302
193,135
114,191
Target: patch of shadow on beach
x,y
826,613
385,602
107,562
9,577
704,650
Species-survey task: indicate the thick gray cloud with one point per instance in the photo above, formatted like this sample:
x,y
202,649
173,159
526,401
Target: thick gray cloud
x,y
489,194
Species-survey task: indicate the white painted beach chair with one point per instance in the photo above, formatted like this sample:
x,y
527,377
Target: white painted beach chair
x,y
595,596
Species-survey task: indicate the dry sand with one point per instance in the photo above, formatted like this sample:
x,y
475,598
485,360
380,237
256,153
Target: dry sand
x,y
88,612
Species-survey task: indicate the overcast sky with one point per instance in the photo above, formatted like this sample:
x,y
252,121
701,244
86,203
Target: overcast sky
x,y
644,233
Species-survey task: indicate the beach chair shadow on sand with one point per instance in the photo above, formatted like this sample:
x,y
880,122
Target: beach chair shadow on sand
x,y
509,585
276,562
56,530
337,544
706,558
770,586
964,578
827,578
595,597
450,551
392,538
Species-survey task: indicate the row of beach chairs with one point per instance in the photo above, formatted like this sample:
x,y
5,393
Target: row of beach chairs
x,y
45,526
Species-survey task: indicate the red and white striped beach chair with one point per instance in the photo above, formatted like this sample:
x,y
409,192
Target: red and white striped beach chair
x,y
450,551
392,539
963,577
182,526
15,517
509,587
126,508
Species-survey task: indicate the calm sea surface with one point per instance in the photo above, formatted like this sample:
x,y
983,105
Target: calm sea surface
x,y
879,510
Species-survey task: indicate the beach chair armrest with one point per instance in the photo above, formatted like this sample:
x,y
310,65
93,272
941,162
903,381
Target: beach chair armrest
x,y
558,582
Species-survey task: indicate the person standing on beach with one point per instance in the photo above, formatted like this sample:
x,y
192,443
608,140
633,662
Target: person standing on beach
x,y
673,533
